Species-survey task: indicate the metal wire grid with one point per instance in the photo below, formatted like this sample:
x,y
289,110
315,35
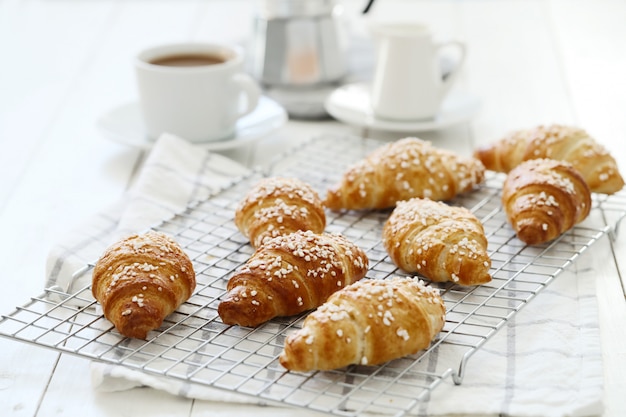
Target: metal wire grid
x,y
194,346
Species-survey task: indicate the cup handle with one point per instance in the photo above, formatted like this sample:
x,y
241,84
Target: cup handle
x,y
452,75
251,90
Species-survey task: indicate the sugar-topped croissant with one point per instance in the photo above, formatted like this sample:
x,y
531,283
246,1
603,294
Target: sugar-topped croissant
x,y
140,280
566,143
368,323
544,198
437,241
401,170
290,274
277,206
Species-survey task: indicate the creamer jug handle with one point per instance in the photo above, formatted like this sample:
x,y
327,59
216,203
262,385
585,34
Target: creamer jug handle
x,y
454,73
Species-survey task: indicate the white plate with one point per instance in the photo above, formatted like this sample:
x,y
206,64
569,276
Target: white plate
x,y
351,104
124,124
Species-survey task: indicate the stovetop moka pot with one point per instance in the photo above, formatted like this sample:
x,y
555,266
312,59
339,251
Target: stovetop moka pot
x,y
299,43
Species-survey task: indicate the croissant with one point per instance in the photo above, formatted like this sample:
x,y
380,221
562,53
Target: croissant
x,y
277,206
440,242
543,198
571,144
140,280
368,323
401,170
290,274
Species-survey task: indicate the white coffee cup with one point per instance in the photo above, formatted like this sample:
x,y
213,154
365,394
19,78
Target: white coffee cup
x,y
408,81
196,91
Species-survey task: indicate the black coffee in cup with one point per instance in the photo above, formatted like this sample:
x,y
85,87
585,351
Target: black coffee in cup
x,y
188,60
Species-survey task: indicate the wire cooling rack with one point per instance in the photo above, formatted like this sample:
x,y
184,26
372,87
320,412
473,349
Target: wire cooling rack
x,y
193,345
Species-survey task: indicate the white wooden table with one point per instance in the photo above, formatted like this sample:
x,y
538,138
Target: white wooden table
x,y
64,63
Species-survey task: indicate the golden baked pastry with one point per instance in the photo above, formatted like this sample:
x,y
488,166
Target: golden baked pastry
x,y
595,164
278,206
367,323
543,198
290,274
437,241
140,280
401,170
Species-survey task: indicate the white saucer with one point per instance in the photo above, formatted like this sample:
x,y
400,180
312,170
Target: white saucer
x,y
124,124
351,104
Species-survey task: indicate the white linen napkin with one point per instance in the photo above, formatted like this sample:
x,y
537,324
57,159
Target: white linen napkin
x,y
545,362
175,174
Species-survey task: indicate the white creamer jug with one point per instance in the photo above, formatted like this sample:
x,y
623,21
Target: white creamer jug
x,y
408,81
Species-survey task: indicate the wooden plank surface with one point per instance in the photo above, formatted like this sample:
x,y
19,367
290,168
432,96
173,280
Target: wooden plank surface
x,y
593,62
